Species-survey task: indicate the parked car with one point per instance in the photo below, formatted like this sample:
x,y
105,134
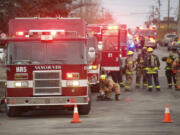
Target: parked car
x,y
174,44
167,38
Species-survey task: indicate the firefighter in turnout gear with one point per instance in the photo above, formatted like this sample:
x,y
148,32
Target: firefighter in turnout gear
x,y
176,70
120,75
140,69
129,64
152,66
107,87
168,69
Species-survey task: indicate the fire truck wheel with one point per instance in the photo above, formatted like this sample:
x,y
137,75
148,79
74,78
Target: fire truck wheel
x,y
12,111
85,109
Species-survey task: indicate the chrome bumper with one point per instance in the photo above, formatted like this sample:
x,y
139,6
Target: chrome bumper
x,y
46,101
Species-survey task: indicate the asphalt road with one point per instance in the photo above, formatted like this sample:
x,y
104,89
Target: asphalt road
x,y
137,113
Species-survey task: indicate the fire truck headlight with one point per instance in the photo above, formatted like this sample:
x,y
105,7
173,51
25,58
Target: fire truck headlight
x,y
73,83
90,67
21,84
93,67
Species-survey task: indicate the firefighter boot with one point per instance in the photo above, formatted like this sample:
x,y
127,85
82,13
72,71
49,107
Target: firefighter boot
x,y
150,89
117,97
121,84
100,97
158,88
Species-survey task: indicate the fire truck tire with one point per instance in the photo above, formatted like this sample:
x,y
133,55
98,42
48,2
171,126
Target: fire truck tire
x,y
13,111
85,109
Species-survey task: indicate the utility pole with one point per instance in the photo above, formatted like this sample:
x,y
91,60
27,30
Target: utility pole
x,y
159,20
159,14
80,11
178,21
168,13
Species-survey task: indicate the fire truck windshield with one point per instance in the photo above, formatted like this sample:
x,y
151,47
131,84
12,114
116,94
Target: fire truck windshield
x,y
110,43
56,52
146,32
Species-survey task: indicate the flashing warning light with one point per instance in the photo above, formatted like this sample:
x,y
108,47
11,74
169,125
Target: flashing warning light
x,y
131,45
153,28
141,28
113,27
72,75
151,39
137,28
20,33
53,33
69,75
93,67
110,27
137,39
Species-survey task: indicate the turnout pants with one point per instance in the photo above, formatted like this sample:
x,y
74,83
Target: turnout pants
x,y
128,83
170,78
156,81
141,74
120,77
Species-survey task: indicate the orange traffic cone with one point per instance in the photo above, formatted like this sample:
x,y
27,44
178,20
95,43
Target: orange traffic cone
x,y
76,115
167,117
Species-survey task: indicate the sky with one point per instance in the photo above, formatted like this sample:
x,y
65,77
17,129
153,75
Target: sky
x,y
136,12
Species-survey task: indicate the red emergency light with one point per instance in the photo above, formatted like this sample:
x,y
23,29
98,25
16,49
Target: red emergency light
x,y
72,75
152,39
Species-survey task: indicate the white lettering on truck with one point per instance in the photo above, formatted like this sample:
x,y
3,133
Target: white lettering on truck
x,y
47,67
21,69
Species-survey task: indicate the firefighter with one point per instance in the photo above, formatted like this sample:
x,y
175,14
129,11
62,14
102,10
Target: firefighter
x,y
129,64
168,69
152,66
140,69
106,88
120,74
175,68
142,41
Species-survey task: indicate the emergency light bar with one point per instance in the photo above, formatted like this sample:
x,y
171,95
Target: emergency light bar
x,y
41,31
113,27
46,34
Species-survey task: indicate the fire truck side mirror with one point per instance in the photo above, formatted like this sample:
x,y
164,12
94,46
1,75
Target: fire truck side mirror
x,y
91,54
100,45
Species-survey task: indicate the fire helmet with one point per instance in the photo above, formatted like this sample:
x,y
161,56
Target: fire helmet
x,y
149,49
130,53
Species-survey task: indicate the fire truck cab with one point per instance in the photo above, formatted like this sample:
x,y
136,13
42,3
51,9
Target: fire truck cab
x,y
47,64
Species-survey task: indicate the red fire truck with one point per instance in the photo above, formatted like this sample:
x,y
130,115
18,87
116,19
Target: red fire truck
x,y
114,40
47,65
148,34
